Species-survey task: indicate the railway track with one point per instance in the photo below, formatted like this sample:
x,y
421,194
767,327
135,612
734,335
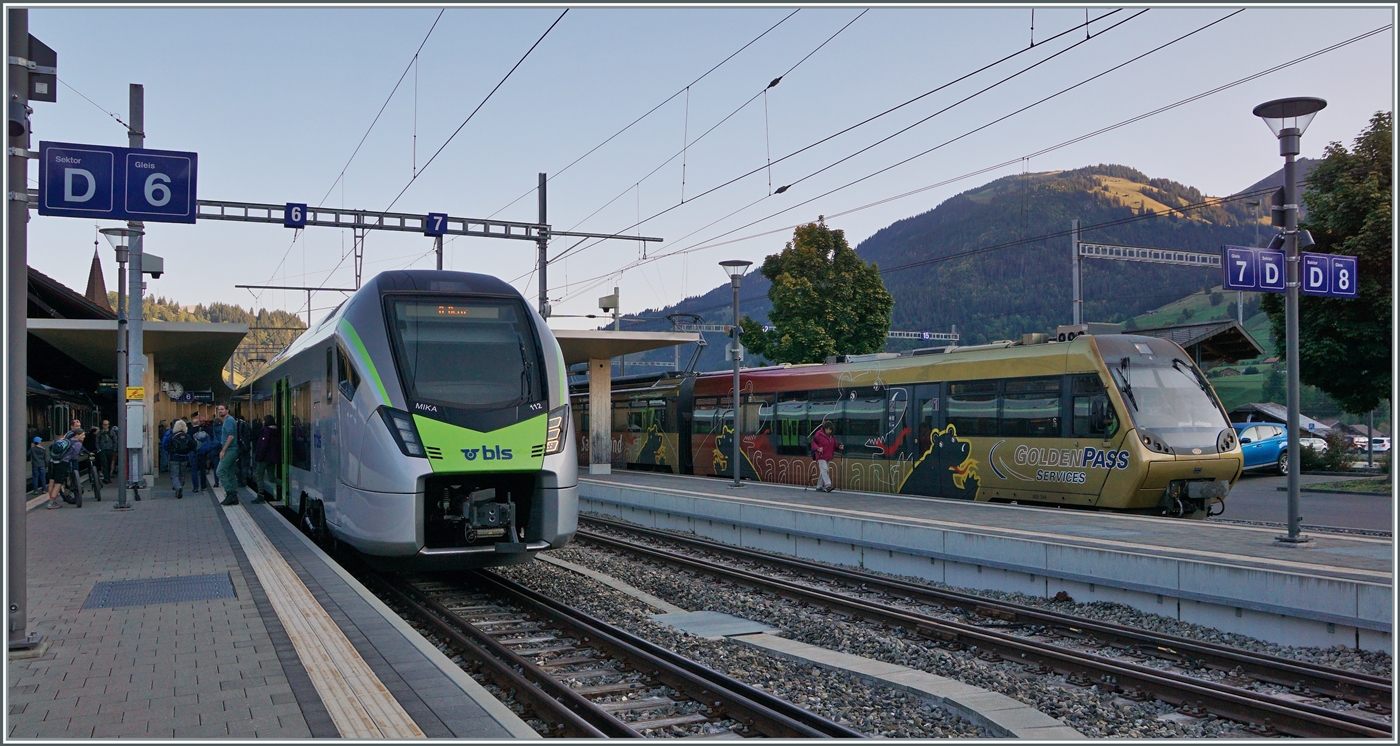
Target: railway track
x,y
586,678
1119,662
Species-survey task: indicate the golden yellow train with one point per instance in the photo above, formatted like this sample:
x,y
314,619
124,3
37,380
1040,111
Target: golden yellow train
x,y
1114,422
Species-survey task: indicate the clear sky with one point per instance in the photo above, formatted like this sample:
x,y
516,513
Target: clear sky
x,y
275,101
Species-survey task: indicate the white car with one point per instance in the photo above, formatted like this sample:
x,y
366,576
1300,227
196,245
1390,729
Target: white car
x,y
1317,444
1380,445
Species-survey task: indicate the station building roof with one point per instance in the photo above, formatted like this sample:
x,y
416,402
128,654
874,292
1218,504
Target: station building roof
x,y
582,345
193,353
1210,342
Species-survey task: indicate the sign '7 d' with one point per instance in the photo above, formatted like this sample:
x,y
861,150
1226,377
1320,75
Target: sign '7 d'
x,y
111,183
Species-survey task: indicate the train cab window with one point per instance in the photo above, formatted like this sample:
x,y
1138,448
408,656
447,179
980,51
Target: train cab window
x,y
349,377
1030,407
792,423
1093,412
972,407
757,413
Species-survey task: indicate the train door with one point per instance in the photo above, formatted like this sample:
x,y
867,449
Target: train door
x,y
281,406
329,443
350,424
923,418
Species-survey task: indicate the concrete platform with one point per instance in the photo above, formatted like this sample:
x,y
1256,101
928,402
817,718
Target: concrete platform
x,y
1335,590
297,649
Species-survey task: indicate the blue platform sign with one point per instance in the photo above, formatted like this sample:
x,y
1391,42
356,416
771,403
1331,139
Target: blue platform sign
x,y
294,215
436,224
111,183
1329,275
1253,269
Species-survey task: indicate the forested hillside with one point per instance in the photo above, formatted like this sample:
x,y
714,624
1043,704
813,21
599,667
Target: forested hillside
x,y
1019,279
269,331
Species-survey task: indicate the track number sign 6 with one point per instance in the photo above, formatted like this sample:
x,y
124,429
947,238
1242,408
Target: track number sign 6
x,y
112,183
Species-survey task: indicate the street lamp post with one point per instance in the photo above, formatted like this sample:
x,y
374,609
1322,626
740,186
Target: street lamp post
x,y
1287,118
736,269
119,237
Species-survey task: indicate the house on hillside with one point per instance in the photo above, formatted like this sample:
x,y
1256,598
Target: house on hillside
x,y
1277,414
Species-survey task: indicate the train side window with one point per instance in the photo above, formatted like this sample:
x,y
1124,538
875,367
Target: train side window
x,y
349,377
1030,408
827,408
703,422
864,418
1093,412
792,423
620,410
972,407
330,373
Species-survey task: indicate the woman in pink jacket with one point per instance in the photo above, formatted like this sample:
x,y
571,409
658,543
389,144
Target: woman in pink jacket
x,y
824,448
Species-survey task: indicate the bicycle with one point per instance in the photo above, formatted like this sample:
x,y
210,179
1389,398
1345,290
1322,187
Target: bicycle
x,y
95,480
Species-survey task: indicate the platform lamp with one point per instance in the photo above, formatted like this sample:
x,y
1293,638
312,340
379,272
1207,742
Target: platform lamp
x,y
120,238
736,269
1287,118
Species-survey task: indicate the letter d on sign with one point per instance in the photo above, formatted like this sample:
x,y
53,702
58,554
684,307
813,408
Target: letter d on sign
x,y
82,173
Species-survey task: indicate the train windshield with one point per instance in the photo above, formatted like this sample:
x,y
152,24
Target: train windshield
x,y
1164,393
467,353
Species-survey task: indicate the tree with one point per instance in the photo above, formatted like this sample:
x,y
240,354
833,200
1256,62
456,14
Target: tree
x,y
1345,345
825,300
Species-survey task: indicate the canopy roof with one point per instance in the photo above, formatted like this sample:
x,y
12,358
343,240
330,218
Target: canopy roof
x,y
191,353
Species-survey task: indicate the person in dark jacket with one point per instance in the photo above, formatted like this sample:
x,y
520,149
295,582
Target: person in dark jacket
x,y
267,454
38,464
824,448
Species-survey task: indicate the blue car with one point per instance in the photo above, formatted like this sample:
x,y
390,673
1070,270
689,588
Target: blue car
x,y
1265,445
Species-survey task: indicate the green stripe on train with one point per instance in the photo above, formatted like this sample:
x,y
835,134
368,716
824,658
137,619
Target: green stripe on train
x,y
365,360
454,449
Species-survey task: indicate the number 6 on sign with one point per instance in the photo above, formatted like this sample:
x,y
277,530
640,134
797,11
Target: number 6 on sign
x,y
294,215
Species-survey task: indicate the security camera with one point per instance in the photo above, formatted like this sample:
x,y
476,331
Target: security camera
x,y
19,117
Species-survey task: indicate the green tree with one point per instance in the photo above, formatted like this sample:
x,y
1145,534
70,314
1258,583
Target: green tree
x,y
1345,345
1273,389
826,300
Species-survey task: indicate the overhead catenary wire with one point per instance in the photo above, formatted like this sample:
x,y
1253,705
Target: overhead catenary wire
x,y
648,113
1132,120
702,136
873,118
464,123
340,178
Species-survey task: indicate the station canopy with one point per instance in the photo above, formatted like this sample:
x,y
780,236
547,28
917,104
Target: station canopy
x,y
193,353
582,345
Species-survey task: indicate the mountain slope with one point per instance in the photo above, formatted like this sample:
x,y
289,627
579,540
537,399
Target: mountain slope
x,y
1020,282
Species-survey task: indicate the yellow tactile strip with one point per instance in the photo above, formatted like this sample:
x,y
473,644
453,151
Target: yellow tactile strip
x,y
358,702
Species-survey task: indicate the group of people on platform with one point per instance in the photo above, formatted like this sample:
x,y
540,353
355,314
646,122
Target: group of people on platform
x,y
189,449
227,444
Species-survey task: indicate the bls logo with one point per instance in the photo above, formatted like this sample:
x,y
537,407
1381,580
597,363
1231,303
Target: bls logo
x,y
488,453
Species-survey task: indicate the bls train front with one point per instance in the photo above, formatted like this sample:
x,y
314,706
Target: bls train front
x,y
459,452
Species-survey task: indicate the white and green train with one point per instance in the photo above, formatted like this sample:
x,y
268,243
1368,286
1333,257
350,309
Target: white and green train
x,y
425,422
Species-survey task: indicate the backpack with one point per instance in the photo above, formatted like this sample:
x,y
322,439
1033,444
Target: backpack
x,y
105,441
245,436
60,448
181,444
812,447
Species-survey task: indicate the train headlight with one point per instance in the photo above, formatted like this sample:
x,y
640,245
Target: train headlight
x,y
405,434
557,432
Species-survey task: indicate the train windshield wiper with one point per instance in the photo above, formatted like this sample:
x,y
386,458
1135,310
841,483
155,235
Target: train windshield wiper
x,y
1125,384
526,379
1200,381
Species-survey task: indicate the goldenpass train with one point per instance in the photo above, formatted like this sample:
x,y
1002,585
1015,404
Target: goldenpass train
x,y
1111,422
424,422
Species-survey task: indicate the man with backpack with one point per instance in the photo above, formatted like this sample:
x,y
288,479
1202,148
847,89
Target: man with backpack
x,y
179,446
106,449
266,456
64,453
824,448
199,458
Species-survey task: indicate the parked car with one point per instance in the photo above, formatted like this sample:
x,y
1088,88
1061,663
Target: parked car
x,y
1358,443
1380,445
1264,444
1317,444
